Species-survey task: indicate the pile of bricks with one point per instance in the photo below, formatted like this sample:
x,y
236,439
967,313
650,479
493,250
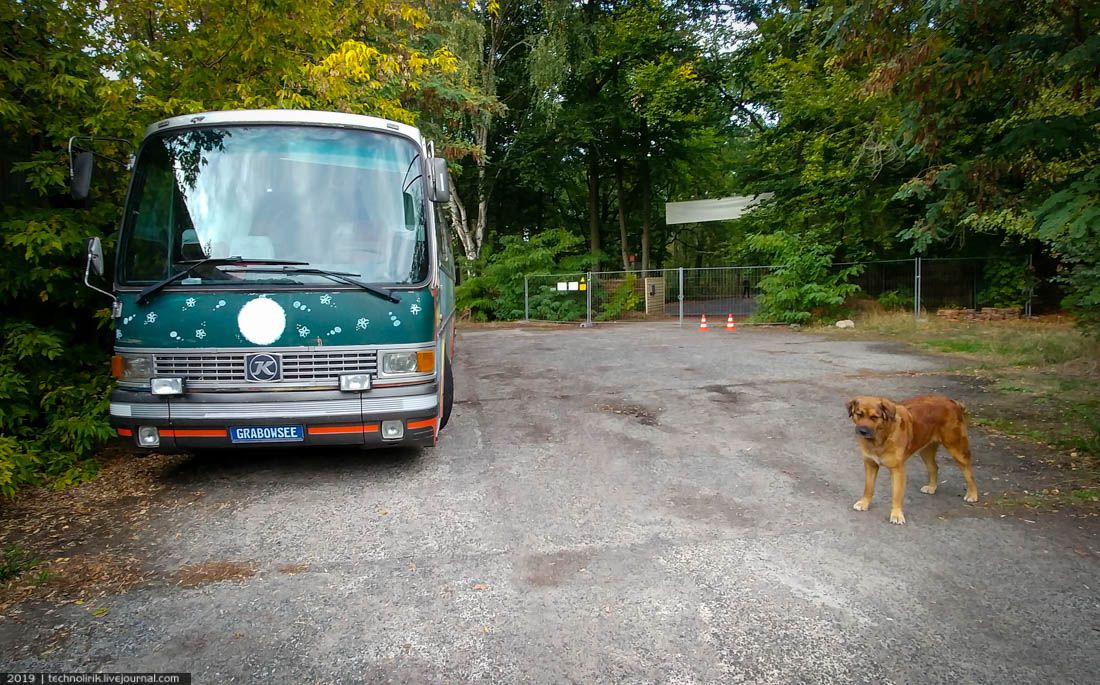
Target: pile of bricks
x,y
983,314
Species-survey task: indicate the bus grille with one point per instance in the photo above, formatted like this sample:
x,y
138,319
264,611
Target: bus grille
x,y
320,368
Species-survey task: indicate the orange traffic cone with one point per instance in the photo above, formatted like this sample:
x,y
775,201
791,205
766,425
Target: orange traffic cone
x,y
730,325
703,323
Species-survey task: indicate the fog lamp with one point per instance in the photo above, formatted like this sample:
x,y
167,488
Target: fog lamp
x,y
393,430
148,436
166,386
355,381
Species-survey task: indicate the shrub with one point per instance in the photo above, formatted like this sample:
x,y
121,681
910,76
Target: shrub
x,y
1007,283
624,298
805,285
897,300
496,292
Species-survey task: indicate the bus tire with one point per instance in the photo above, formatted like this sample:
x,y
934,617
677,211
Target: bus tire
x,y
448,393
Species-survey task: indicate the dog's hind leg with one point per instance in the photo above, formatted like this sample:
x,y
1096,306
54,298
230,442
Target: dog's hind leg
x,y
959,448
928,454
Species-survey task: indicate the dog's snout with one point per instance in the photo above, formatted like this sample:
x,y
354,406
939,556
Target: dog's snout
x,y
865,431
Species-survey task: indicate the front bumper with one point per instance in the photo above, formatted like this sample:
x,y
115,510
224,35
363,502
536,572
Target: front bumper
x,y
202,420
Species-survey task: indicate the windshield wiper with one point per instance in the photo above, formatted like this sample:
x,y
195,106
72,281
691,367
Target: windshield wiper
x,y
342,276
193,264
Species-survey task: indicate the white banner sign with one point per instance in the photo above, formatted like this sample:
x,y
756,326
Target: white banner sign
x,y
711,210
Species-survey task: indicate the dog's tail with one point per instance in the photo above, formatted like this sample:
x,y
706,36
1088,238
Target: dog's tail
x,y
962,408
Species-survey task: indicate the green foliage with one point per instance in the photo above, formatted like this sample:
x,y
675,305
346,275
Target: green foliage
x,y
497,291
1007,283
805,285
1069,222
896,299
14,562
624,298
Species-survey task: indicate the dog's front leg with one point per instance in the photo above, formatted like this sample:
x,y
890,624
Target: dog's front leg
x,y
897,478
870,472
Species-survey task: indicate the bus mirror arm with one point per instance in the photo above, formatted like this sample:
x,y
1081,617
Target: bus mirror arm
x,y
94,250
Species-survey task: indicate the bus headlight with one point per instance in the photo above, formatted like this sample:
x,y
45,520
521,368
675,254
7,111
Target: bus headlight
x,y
399,362
132,367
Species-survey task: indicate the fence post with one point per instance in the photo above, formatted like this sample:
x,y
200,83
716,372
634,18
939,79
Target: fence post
x,y
680,295
1030,286
526,307
588,298
916,289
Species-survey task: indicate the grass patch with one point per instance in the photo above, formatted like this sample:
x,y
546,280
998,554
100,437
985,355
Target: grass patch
x,y
14,562
1046,372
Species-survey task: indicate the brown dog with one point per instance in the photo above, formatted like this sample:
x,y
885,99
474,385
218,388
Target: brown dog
x,y
889,433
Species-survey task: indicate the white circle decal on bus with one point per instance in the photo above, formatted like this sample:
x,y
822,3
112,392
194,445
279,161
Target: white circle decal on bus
x,y
261,321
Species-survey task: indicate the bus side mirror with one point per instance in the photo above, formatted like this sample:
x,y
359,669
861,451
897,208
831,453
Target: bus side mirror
x,y
94,250
441,181
81,177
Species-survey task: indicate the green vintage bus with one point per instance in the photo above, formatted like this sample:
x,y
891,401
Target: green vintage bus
x,y
282,277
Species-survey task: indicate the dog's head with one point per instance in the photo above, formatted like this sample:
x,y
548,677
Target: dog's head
x,y
872,416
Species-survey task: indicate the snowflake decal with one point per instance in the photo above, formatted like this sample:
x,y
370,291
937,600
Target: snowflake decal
x,y
361,324
190,302
415,309
151,317
303,331
326,299
200,334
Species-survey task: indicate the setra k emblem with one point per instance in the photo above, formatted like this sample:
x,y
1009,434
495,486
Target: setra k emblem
x,y
263,368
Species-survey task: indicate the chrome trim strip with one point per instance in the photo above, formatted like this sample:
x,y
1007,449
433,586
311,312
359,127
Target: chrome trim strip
x,y
258,349
151,410
264,410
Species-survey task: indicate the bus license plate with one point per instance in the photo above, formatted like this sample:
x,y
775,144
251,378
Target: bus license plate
x,y
267,434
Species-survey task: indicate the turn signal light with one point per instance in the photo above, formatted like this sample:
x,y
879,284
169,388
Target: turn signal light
x,y
116,366
425,361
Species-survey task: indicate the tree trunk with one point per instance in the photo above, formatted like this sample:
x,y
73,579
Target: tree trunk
x,y
594,205
482,131
622,214
461,227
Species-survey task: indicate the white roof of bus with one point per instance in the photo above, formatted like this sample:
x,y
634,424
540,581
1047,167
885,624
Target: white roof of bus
x,y
283,116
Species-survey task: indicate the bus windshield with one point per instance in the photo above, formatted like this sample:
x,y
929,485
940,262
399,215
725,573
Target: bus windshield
x,y
337,199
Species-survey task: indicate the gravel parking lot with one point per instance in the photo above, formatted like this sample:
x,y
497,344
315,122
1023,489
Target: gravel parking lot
x,y
624,504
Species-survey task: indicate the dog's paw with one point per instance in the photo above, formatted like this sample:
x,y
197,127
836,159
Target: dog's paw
x,y
970,498
928,489
897,517
861,505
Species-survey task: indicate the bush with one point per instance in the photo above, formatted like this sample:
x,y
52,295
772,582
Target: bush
x,y
805,286
624,298
1007,283
496,292
896,300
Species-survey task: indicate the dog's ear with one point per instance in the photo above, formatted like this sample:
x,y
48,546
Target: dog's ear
x,y
851,407
889,409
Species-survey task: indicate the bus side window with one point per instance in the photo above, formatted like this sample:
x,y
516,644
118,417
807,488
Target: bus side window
x,y
443,237
152,232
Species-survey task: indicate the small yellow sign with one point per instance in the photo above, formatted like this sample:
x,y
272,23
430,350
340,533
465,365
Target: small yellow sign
x,y
584,286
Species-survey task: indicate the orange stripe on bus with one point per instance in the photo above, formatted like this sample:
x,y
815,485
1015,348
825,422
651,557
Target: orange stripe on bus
x,y
126,432
426,423
343,430
195,433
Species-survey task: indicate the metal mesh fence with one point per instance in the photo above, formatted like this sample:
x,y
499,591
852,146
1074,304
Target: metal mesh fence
x,y
556,297
916,285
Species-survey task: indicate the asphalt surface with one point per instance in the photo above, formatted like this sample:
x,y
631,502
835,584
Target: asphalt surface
x,y
625,504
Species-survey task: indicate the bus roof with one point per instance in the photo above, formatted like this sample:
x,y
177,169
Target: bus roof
x,y
284,116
